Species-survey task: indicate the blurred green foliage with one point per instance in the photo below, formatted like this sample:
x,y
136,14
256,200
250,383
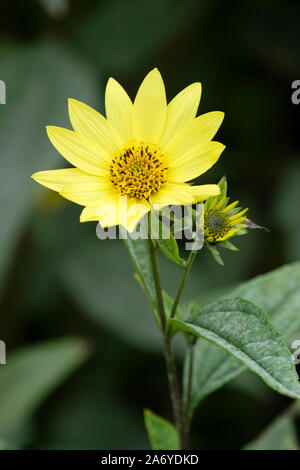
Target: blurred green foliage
x,y
57,279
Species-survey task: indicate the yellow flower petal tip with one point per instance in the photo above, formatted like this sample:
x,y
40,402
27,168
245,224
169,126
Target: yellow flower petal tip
x,y
72,103
154,70
197,87
146,150
38,176
51,130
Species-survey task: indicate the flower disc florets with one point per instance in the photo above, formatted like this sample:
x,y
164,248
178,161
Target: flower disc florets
x,y
138,170
216,224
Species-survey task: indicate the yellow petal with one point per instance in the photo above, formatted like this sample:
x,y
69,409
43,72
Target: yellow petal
x,y
235,217
204,191
199,160
220,204
92,125
88,194
79,151
122,210
119,109
57,179
150,109
136,209
108,211
230,207
238,221
182,109
89,214
230,234
198,131
212,204
176,194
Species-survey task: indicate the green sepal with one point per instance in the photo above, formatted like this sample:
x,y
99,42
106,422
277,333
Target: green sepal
x,y
227,244
243,231
223,193
215,254
250,224
223,186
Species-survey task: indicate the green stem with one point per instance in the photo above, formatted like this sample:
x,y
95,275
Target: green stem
x,y
187,269
168,352
184,418
175,392
189,386
156,277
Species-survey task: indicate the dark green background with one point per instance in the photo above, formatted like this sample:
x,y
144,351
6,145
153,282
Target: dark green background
x,y
58,279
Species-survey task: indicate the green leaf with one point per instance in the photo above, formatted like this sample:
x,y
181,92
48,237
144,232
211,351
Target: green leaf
x,y
140,256
162,434
4,445
252,386
281,434
278,294
168,244
30,375
212,368
243,330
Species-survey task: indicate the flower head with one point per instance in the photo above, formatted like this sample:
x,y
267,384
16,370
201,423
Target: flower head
x,y
223,221
143,152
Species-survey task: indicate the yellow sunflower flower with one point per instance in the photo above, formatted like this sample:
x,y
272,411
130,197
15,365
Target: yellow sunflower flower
x,y
142,153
